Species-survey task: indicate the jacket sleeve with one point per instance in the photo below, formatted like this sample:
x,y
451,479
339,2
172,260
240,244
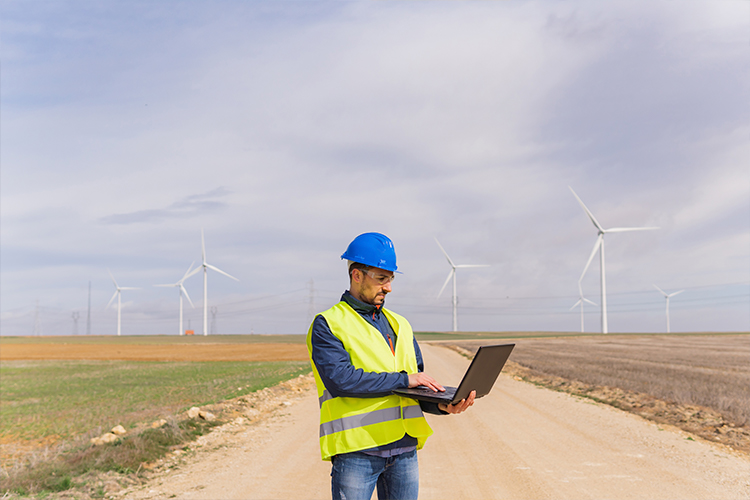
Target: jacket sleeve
x,y
339,375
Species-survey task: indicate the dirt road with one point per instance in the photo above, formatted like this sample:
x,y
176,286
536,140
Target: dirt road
x,y
519,442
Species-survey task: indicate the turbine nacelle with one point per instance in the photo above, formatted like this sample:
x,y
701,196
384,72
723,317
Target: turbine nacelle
x,y
190,272
118,295
668,296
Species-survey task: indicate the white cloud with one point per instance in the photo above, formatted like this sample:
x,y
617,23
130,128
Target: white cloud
x,y
318,121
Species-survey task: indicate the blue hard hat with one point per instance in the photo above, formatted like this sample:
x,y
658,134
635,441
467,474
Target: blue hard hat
x,y
372,249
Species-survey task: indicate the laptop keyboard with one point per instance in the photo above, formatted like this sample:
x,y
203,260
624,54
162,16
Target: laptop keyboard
x,y
449,391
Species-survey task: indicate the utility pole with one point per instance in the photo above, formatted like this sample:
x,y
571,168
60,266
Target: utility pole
x,y
88,318
214,309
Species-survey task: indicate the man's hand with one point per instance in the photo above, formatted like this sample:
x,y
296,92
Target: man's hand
x,y
459,407
421,378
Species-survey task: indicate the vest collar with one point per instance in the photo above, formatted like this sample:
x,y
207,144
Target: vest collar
x,y
361,307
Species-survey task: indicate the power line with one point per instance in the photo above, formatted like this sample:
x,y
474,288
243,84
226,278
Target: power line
x,y
311,307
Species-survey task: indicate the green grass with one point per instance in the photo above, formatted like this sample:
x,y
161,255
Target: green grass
x,y
64,399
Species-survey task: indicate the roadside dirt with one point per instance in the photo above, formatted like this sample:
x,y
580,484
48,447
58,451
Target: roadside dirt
x,y
701,421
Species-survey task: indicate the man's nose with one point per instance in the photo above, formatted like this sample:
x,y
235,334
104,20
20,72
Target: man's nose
x,y
387,287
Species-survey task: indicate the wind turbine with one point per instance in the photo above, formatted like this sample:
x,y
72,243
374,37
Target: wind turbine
x,y
179,284
599,245
452,274
206,266
581,300
668,296
118,289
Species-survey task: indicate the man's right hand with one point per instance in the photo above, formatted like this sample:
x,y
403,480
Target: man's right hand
x,y
416,379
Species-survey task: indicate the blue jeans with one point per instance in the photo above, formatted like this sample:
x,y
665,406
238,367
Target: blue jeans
x,y
354,476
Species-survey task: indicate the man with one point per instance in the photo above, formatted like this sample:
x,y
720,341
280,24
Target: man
x,y
361,352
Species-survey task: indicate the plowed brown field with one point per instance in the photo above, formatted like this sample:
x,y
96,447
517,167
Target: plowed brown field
x,y
174,352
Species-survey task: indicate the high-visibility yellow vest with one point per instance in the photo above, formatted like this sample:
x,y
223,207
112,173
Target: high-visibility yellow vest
x,y
353,424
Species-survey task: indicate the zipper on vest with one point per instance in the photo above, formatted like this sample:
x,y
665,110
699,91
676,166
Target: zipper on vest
x,y
390,342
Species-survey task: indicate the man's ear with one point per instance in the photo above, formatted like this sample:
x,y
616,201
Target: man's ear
x,y
357,275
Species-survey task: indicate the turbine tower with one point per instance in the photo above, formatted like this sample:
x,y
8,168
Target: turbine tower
x,y
452,274
190,271
668,296
206,266
599,245
117,294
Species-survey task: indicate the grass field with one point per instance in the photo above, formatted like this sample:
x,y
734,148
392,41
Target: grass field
x,y
43,399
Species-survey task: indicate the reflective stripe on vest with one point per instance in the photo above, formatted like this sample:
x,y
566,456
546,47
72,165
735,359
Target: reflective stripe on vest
x,y
347,423
413,412
325,397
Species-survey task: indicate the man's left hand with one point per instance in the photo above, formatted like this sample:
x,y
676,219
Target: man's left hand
x,y
459,407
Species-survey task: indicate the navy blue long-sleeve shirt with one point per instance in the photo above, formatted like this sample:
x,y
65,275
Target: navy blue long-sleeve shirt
x,y
342,379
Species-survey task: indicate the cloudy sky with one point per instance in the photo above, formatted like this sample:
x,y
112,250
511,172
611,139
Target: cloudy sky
x,y
284,129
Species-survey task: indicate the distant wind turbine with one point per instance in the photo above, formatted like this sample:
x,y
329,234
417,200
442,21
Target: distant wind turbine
x,y
581,300
118,289
190,271
452,274
668,296
599,245
206,266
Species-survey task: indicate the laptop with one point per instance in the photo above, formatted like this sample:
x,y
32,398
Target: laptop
x,y
481,375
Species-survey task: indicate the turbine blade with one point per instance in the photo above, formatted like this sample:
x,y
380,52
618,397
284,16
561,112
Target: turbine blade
x,y
445,253
588,212
174,284
113,278
214,268
192,273
113,298
676,293
597,244
575,305
187,273
450,274
129,288
626,229
592,303
662,291
182,288
473,265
